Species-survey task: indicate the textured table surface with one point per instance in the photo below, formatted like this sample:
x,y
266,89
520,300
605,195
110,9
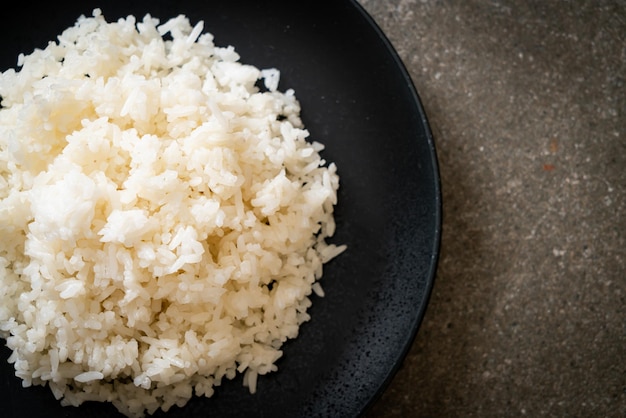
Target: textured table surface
x,y
526,102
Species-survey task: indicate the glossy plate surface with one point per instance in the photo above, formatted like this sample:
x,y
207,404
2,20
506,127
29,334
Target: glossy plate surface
x,y
359,101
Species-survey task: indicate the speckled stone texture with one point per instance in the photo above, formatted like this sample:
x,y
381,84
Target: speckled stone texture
x,y
526,102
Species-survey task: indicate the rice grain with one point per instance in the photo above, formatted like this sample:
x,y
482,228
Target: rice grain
x,y
164,221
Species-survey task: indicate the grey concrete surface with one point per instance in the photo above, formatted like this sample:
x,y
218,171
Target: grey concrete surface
x,y
526,100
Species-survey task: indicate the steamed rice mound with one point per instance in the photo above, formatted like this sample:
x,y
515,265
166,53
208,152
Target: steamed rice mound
x,y
163,216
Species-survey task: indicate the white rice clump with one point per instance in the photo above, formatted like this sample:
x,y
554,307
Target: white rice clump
x,y
163,220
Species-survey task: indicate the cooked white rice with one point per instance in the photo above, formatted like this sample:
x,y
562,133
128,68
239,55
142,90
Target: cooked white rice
x,y
163,220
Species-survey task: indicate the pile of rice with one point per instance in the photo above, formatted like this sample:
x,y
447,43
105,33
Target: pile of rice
x,y
163,216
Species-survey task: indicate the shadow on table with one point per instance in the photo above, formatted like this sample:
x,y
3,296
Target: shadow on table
x,y
431,380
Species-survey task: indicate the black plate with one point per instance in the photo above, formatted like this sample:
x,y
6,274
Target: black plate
x,y
357,99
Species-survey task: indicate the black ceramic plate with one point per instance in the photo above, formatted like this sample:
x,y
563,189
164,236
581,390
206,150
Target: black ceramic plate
x,y
358,100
